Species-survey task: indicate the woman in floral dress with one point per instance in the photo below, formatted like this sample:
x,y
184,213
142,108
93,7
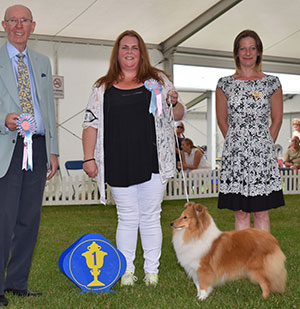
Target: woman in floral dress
x,y
249,112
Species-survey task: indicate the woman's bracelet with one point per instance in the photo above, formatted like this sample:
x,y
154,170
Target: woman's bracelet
x,y
92,159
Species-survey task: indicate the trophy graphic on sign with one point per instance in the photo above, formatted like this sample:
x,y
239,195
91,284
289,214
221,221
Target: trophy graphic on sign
x,y
83,261
94,260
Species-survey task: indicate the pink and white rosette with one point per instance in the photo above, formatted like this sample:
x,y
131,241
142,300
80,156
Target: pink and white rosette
x,y
27,127
156,98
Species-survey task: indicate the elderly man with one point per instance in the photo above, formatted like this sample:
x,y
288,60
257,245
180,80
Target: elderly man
x,y
292,155
25,88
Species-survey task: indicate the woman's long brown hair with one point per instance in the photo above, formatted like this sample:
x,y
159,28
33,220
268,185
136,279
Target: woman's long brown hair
x,y
145,69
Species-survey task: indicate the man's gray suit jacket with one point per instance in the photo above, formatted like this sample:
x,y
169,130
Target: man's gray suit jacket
x,y
9,103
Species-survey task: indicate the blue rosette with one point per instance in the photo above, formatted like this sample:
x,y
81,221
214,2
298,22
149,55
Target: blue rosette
x,y
26,127
156,98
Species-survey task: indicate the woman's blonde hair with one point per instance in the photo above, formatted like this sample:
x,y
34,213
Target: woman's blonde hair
x,y
182,125
189,142
145,69
296,121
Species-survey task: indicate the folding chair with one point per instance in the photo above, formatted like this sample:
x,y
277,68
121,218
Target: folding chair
x,y
73,165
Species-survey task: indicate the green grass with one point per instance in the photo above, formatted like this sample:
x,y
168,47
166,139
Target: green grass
x,y
63,225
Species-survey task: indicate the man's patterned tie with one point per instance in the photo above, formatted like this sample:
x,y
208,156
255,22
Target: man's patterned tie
x,y
24,86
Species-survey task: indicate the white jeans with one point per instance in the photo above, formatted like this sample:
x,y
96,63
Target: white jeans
x,y
139,208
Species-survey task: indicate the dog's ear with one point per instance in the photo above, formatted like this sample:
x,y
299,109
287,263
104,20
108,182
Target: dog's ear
x,y
199,209
189,204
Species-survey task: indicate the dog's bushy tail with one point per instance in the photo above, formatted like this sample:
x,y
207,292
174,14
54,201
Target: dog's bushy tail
x,y
276,272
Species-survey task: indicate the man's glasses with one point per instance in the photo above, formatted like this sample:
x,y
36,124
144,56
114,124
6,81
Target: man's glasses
x,y
179,127
23,21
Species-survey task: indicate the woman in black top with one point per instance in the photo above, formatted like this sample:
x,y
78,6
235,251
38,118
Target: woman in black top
x,y
133,138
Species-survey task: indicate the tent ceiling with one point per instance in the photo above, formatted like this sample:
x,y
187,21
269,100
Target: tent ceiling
x,y
105,19
276,21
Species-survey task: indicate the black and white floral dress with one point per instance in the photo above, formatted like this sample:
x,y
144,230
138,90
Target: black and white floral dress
x,y
249,177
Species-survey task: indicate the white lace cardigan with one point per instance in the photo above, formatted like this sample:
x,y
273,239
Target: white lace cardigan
x,y
164,125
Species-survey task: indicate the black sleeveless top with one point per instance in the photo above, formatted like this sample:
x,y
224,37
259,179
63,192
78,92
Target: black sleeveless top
x,y
130,154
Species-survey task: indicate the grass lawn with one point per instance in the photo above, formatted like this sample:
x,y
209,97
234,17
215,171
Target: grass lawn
x,y
62,225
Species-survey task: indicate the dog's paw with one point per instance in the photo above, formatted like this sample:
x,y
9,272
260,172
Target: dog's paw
x,y
204,294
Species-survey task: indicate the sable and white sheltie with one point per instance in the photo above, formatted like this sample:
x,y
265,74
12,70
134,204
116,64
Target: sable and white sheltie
x,y
211,257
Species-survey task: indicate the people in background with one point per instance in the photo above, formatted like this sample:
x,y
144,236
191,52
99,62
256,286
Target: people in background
x,y
136,165
192,157
279,155
25,87
296,126
249,177
292,155
178,139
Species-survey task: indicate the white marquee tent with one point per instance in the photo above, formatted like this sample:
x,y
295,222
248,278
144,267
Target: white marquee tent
x,y
78,36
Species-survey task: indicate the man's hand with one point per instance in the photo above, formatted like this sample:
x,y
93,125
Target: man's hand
x,y
53,166
11,121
